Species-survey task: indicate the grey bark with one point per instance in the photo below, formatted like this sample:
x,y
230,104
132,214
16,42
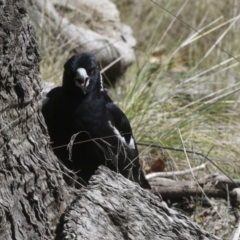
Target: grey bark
x,y
112,207
33,193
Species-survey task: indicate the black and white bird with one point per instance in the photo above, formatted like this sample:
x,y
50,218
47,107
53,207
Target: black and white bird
x,y
80,111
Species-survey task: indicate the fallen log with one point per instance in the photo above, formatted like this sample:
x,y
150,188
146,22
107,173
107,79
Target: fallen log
x,y
217,186
87,26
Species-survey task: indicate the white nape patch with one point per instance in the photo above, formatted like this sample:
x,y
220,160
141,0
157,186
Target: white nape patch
x,y
101,83
122,139
82,73
132,143
87,83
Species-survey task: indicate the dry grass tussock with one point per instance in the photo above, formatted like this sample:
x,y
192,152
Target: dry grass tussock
x,y
185,92
185,82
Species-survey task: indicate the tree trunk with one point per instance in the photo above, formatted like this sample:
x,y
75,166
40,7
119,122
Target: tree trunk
x,y
33,193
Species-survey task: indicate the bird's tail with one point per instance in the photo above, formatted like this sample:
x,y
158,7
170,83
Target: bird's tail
x,y
142,180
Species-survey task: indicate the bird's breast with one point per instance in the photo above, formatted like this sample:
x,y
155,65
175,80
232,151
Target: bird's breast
x,y
90,115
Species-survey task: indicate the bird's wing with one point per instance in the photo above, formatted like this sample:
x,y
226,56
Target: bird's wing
x,y
54,92
122,128
120,124
48,102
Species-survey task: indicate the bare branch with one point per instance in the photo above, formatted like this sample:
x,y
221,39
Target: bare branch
x,y
188,151
176,173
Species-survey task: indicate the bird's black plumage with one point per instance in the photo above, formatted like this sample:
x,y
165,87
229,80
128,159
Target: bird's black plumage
x,y
82,108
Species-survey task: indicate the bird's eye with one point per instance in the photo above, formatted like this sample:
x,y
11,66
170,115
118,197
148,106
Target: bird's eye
x,y
91,71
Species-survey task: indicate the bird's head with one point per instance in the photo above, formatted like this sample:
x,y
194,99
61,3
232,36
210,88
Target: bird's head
x,y
81,71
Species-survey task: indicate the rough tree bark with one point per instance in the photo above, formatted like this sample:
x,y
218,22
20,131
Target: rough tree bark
x,y
32,191
33,194
112,207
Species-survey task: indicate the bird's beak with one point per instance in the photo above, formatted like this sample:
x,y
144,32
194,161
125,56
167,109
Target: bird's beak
x,y
82,79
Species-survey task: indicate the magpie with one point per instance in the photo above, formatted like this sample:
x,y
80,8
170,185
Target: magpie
x,y
86,128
